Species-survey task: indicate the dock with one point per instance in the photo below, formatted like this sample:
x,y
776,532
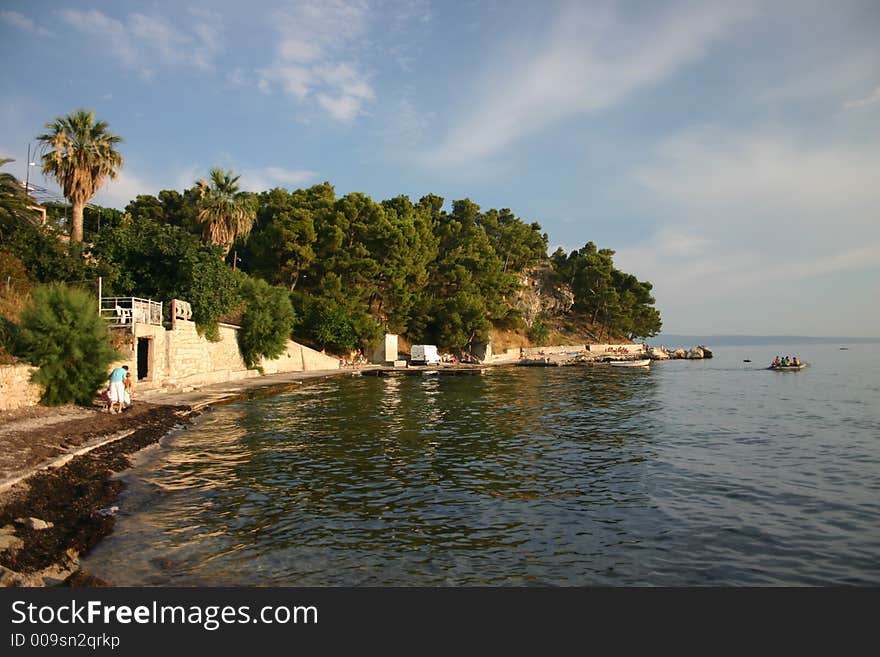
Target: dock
x,y
444,369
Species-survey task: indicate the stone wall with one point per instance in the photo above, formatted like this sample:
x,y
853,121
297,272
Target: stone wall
x,y
180,358
533,352
16,389
617,348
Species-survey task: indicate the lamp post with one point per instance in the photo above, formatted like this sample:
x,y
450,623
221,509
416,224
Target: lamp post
x,y
27,175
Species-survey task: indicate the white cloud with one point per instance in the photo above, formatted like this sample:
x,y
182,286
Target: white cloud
x,y
587,63
142,42
127,185
23,23
871,99
314,60
259,180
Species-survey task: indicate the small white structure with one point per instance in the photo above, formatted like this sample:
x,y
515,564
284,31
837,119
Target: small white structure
x,y
424,353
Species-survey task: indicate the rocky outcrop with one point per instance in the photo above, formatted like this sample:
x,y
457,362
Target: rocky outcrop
x,y
542,293
658,353
694,353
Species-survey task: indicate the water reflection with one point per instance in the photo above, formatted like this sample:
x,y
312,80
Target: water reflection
x,y
524,476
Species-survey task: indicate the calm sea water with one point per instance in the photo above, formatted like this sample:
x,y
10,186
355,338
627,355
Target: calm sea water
x,y
711,472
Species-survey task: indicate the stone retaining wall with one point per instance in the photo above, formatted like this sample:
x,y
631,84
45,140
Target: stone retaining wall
x,y
16,389
181,358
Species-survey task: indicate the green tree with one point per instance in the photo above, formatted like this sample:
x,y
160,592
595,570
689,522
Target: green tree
x,y
63,335
468,289
224,212
614,299
281,247
82,155
266,322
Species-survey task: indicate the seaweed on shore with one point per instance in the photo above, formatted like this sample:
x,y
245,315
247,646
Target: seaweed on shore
x,y
72,496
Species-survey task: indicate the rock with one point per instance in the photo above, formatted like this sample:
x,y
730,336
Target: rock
x,y
542,294
707,353
658,354
679,353
9,578
695,354
7,529
10,542
83,580
56,574
34,523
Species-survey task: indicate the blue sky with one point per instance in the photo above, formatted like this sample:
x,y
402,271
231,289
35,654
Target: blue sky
x,y
729,152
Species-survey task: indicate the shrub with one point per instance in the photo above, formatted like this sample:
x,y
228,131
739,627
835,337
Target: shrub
x,y
266,322
539,332
63,335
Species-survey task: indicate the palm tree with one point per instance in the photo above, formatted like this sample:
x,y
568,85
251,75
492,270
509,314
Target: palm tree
x,y
81,154
224,212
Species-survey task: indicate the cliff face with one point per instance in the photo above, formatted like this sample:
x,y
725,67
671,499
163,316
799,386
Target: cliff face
x,y
543,293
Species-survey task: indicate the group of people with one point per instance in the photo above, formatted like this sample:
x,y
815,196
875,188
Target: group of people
x,y
786,361
118,394
355,359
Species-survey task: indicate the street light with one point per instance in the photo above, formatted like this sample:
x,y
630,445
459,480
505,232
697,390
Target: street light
x,y
27,176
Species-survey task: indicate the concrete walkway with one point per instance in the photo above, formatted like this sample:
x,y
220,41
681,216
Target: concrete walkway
x,y
221,393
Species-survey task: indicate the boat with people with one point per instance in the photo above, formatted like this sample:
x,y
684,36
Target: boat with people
x,y
787,364
630,363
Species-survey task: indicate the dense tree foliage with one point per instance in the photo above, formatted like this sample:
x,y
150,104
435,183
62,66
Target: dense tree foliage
x,y
266,321
352,267
67,340
355,268
613,298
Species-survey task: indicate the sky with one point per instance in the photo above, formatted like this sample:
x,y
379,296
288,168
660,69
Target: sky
x,y
729,152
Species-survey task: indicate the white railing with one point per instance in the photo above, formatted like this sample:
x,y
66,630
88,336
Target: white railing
x,y
128,311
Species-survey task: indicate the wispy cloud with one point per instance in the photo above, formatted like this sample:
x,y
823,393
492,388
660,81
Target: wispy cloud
x,y
746,220
259,180
144,42
23,23
315,61
871,99
754,176
587,62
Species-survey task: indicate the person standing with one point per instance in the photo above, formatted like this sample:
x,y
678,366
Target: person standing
x,y
117,388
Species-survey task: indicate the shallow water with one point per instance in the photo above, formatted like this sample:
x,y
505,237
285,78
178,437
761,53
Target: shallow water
x,y
711,472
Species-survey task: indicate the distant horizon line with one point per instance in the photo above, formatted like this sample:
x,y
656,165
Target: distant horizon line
x,y
729,339
769,335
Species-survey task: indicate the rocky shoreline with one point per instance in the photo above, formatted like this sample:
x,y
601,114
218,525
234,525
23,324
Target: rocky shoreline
x,y
57,514
694,353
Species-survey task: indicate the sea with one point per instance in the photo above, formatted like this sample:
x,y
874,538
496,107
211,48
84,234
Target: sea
x,y
715,473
